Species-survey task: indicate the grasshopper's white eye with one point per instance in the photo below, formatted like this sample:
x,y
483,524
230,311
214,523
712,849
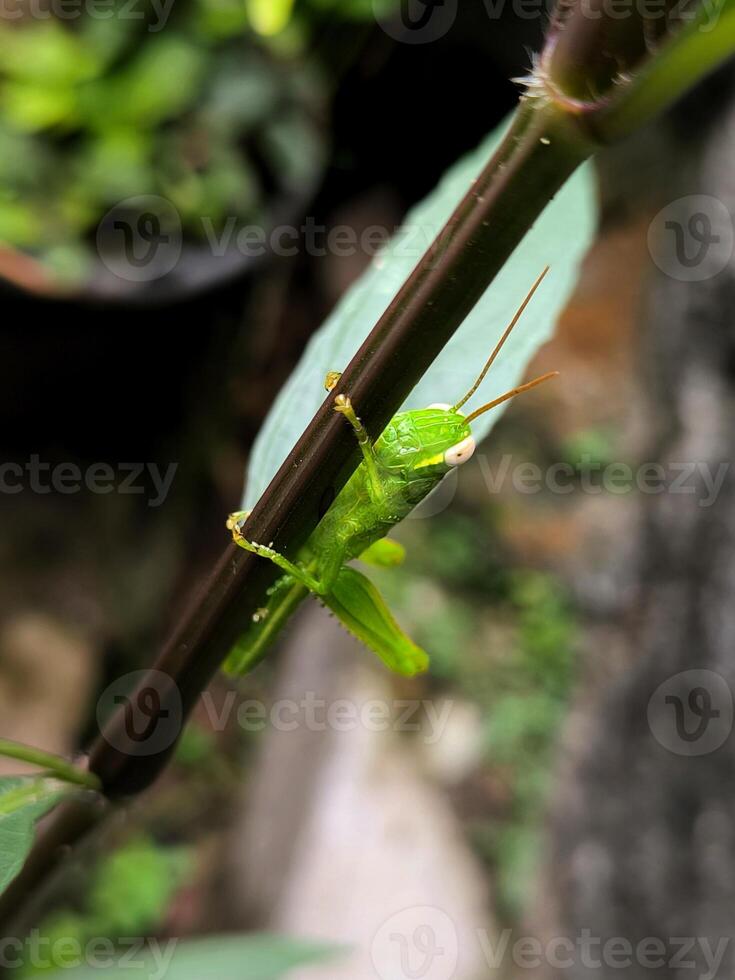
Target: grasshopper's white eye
x,y
460,453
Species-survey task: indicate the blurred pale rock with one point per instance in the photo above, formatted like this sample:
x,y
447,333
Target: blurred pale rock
x,y
46,677
344,838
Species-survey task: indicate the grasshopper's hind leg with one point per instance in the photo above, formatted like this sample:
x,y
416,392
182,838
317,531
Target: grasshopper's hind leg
x,y
298,572
283,598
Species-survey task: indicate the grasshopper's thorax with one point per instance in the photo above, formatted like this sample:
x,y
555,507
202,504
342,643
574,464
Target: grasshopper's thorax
x,y
425,443
414,452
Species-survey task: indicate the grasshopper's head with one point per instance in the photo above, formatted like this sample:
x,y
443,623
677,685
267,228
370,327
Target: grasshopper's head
x,y
430,442
445,430
426,443
445,439
439,437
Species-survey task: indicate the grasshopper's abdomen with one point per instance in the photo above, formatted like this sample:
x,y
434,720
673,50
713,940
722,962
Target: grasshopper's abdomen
x,y
353,522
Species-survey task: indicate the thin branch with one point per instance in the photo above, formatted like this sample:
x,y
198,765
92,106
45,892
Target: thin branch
x,y
54,765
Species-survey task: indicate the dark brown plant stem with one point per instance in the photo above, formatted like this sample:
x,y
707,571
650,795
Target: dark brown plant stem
x,y
615,73
537,156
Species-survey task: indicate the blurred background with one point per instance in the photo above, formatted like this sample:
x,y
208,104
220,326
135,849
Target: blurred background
x,y
566,767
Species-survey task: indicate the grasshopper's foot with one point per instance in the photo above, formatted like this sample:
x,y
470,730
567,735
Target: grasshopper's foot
x,y
235,523
343,405
332,379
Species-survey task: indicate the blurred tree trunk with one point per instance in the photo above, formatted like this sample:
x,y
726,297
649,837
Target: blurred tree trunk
x,y
643,829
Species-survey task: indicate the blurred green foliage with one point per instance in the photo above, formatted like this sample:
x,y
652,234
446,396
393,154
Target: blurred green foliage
x,y
523,717
502,638
211,104
590,449
128,896
196,747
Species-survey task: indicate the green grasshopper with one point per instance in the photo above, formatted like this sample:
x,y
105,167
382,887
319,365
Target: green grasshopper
x,y
411,457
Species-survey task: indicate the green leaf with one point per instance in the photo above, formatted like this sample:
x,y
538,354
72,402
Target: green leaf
x,y
253,957
22,802
559,238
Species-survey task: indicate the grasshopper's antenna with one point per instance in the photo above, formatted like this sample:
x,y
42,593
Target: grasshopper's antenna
x,y
511,394
502,340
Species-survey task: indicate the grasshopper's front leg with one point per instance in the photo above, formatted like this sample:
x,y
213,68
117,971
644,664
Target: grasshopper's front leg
x,y
331,562
343,405
235,524
329,566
